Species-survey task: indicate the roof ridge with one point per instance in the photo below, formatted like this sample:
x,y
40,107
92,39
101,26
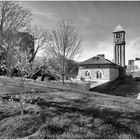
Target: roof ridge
x,y
109,61
87,59
93,61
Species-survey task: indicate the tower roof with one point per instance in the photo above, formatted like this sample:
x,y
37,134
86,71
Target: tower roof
x,y
118,29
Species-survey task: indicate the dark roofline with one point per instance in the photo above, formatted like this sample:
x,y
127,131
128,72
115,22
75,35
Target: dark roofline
x,y
110,62
99,64
95,64
119,32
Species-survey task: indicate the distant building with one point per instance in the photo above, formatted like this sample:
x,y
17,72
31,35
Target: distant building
x,y
131,62
27,43
99,67
133,65
137,63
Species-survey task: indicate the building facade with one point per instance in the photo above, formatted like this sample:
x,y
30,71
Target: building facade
x,y
133,65
98,67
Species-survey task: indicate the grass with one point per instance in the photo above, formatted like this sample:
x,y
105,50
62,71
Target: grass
x,y
18,126
127,87
67,113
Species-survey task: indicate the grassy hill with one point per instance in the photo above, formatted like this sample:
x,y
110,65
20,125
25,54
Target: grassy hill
x,y
126,87
66,113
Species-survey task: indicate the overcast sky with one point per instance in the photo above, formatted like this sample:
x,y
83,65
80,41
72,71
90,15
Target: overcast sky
x,y
95,22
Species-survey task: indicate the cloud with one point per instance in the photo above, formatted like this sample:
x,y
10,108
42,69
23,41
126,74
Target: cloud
x,y
39,13
45,14
91,49
95,22
41,16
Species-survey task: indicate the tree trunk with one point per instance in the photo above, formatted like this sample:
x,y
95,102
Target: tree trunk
x,y
63,71
9,72
21,92
21,107
63,79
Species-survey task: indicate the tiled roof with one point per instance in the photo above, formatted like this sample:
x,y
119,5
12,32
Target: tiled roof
x,y
96,60
118,29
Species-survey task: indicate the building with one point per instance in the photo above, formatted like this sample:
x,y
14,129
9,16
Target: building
x,y
119,45
133,65
27,43
99,67
137,63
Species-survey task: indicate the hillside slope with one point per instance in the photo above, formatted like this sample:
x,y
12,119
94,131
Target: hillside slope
x,y
66,113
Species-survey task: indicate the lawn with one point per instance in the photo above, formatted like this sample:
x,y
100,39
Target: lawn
x,y
64,112
127,87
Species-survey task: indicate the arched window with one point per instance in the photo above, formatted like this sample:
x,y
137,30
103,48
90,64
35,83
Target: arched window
x,y
87,73
99,75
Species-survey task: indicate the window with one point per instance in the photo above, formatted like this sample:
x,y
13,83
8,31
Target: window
x,y
87,73
99,75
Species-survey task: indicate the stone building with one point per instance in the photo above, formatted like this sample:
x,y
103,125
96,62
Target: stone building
x,y
133,65
99,67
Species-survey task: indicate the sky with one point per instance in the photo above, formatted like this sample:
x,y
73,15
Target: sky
x,y
94,21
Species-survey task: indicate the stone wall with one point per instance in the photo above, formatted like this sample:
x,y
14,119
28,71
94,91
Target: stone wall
x,y
114,73
107,73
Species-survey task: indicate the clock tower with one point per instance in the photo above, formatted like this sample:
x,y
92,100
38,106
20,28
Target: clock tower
x,y
119,46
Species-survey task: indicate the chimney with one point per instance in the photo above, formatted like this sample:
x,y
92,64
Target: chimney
x,y
101,55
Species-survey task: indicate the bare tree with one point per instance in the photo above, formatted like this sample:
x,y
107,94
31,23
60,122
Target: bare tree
x,y
16,19
9,52
14,43
41,37
65,45
30,42
13,18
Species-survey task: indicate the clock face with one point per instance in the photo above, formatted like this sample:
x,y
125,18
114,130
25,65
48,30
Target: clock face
x,y
118,35
118,38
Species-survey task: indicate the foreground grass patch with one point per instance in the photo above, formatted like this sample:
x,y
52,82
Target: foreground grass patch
x,y
70,123
61,113
18,127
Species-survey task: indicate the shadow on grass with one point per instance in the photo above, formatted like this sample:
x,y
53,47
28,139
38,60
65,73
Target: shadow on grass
x,y
117,120
106,87
81,122
9,113
126,87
